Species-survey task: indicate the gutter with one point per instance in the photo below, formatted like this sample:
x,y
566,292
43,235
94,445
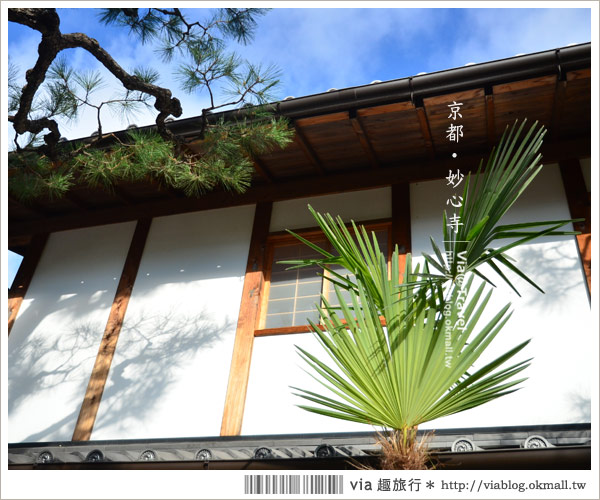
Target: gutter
x,y
415,88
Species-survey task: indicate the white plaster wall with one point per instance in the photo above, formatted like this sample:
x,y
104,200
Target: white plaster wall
x,y
558,322
55,338
169,374
364,205
270,405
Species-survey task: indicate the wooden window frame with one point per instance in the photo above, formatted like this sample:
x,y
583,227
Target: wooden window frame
x,y
279,239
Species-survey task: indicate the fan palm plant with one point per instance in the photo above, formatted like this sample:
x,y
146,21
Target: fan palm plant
x,y
402,349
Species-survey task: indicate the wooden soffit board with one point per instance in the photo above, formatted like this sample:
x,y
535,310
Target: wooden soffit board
x,y
473,119
334,141
394,131
532,99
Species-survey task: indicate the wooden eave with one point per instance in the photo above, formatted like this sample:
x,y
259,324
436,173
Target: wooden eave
x,y
402,139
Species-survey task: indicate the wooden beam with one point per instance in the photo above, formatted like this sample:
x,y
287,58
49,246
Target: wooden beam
x,y
579,208
24,275
19,242
490,120
123,195
364,139
401,222
173,192
367,178
78,202
108,344
31,206
302,141
237,386
262,170
425,131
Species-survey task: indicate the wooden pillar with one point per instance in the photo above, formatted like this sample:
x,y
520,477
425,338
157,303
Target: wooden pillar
x,y
401,222
579,203
24,275
95,388
237,386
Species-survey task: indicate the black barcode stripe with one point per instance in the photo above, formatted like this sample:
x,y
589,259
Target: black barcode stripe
x,y
290,484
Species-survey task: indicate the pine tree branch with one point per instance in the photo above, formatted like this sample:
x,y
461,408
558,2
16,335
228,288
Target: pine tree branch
x,y
47,22
165,103
225,158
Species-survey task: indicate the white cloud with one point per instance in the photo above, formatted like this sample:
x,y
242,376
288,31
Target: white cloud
x,y
489,34
323,48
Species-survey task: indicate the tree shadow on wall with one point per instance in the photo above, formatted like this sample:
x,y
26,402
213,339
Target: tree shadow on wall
x,y
581,407
42,364
149,350
555,269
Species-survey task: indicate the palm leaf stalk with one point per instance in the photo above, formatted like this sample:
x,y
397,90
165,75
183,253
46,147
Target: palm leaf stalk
x,y
404,350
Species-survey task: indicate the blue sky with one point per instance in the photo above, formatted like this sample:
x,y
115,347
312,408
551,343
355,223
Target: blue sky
x,y
318,49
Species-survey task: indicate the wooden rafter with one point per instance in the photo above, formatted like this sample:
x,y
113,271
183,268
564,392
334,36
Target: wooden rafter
x,y
364,139
560,95
237,386
108,344
24,275
490,119
302,141
425,131
123,196
262,170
